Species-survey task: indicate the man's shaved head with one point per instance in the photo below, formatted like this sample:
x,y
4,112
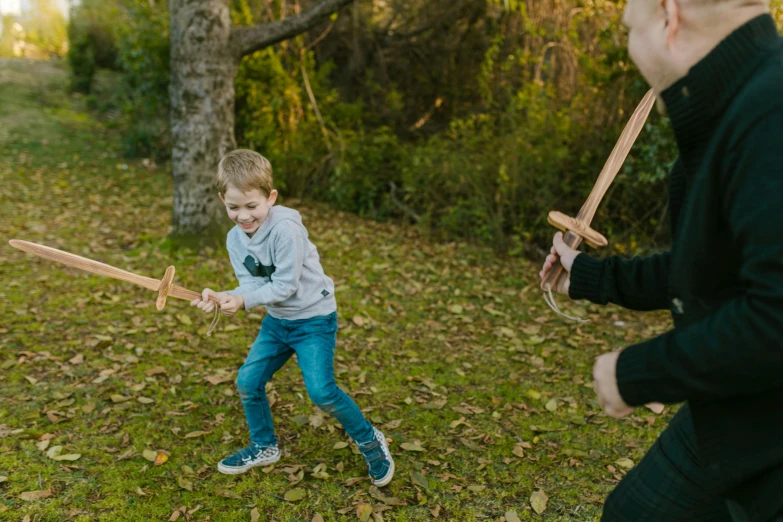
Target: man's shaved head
x,y
667,37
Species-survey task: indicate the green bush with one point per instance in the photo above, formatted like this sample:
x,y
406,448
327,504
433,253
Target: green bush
x,y
143,59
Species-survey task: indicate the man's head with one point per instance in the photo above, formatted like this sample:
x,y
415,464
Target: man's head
x,y
244,182
668,37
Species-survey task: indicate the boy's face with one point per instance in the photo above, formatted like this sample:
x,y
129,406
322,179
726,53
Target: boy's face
x,y
247,209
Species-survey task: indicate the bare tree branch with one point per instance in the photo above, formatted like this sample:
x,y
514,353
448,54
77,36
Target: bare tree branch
x,y
245,40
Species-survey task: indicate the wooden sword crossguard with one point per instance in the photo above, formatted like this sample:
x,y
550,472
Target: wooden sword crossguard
x,y
165,287
578,229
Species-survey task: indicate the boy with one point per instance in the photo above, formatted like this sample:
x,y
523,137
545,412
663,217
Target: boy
x,y
279,268
718,67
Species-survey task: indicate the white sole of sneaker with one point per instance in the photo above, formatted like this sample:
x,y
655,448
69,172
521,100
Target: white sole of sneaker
x,y
237,470
388,478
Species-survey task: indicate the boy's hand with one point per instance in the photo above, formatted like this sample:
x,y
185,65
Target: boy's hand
x,y
204,303
231,304
566,255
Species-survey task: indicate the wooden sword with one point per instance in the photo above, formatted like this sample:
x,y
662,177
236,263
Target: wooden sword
x,y
578,229
165,287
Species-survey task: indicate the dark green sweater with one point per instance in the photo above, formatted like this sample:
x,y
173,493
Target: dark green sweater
x,y
723,278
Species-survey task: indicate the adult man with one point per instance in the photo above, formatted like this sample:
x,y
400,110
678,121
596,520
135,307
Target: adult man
x,y
718,67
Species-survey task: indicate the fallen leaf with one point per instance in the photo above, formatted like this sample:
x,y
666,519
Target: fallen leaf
x,y
184,483
317,518
364,511
43,445
88,408
551,404
518,450
219,379
160,458
55,453
31,380
354,480
226,493
77,359
656,407
3,478
68,456
155,371
624,463
128,454
511,516
419,479
538,501
456,309
295,495
145,400
454,424
32,496
392,425
476,489
184,319
255,516
117,398
410,446
340,445
194,434
149,455
358,320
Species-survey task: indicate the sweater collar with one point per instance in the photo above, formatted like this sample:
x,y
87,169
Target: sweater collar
x,y
696,102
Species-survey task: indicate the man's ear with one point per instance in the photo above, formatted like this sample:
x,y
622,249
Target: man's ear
x,y
272,198
672,8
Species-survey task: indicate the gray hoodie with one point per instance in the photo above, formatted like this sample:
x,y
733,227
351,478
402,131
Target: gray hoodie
x,y
279,268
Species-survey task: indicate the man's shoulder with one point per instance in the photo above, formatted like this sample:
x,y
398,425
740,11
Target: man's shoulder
x,y
762,92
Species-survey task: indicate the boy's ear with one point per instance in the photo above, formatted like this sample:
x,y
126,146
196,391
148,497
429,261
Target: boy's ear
x,y
272,198
221,197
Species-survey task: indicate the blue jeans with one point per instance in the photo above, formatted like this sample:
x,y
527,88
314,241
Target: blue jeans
x,y
313,340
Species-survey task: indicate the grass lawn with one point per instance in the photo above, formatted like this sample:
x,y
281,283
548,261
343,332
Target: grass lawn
x,y
450,349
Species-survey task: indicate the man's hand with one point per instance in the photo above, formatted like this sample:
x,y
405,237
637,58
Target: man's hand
x,y
231,304
204,303
605,386
566,255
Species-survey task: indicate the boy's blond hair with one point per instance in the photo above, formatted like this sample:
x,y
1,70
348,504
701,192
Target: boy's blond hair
x,y
246,170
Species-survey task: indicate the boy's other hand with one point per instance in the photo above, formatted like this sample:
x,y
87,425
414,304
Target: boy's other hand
x,y
566,255
204,303
231,304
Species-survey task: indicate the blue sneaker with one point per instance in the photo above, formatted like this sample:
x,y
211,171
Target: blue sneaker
x,y
248,458
379,461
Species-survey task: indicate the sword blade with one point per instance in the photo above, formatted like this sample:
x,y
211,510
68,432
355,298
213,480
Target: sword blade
x,y
83,263
617,157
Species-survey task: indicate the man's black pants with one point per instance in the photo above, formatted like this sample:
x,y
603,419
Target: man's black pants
x,y
669,485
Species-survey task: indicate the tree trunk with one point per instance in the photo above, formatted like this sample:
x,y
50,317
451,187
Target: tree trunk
x,y
203,70
205,55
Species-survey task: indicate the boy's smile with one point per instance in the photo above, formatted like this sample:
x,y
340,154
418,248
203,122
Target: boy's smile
x,y
247,209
